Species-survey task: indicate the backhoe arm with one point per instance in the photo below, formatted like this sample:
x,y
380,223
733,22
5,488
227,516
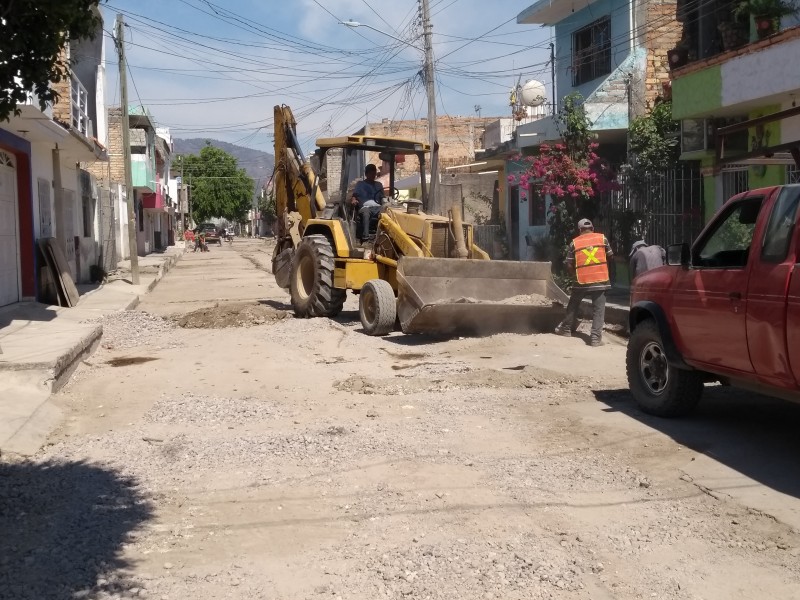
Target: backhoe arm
x,y
297,194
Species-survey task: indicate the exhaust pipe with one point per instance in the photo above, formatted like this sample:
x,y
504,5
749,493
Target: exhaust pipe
x,y
458,232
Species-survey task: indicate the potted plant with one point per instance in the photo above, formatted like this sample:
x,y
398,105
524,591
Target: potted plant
x,y
733,33
679,55
765,13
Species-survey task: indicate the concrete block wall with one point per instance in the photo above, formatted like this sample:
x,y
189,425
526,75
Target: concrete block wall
x,y
459,137
62,109
662,34
114,170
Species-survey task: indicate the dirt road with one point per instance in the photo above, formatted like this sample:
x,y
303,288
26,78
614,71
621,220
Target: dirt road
x,y
292,459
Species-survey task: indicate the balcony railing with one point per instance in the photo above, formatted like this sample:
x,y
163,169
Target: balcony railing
x,y
80,108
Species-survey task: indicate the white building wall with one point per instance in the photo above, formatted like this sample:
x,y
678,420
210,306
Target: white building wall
x,y
772,71
42,169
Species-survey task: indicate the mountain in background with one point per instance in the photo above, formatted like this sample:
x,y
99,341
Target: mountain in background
x,y
258,164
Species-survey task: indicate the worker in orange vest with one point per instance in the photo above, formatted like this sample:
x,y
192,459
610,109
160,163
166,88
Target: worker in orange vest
x,y
588,256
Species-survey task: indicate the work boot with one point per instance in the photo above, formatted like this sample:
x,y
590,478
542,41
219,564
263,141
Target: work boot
x,y
594,342
563,331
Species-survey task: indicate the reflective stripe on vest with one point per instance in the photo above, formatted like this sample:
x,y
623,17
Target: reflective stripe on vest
x,y
590,258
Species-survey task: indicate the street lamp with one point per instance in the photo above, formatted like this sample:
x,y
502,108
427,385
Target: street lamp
x,y
434,205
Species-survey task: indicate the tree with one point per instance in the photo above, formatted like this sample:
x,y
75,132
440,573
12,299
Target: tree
x,y
653,140
219,188
571,173
654,149
32,36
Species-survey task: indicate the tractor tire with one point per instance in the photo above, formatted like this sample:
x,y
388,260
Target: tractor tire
x,y
311,280
658,387
377,307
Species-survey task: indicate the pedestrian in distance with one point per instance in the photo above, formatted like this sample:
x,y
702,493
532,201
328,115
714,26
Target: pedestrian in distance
x,y
644,257
588,259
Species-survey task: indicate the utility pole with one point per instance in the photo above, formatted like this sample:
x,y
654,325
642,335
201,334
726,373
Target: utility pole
x,y
126,150
435,206
553,74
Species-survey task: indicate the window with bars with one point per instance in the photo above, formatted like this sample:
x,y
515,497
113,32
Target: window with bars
x,y
792,174
591,51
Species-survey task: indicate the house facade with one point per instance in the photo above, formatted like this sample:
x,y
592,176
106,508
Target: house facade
x,y
45,190
737,103
151,162
611,52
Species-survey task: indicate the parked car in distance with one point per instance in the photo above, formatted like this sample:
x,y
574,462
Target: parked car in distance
x,y
211,233
725,309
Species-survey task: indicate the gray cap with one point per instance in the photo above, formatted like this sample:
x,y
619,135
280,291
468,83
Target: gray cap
x,y
637,245
585,224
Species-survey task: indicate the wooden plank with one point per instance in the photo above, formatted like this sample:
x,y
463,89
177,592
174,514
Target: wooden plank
x,y
50,261
66,275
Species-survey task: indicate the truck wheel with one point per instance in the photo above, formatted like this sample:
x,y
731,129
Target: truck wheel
x,y
377,307
659,388
311,281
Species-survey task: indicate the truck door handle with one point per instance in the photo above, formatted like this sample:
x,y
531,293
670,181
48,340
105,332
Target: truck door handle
x,y
735,296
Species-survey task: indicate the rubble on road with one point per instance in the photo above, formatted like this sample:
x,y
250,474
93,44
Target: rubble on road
x,y
233,314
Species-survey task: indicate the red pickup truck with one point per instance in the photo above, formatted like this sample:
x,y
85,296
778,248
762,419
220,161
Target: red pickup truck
x,y
725,309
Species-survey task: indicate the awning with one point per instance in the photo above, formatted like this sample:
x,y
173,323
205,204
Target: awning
x,y
35,126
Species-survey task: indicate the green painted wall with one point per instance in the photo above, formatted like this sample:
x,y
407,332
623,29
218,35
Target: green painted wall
x,y
761,175
697,93
142,173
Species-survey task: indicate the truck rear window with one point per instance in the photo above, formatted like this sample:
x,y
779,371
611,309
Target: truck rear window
x,y
728,244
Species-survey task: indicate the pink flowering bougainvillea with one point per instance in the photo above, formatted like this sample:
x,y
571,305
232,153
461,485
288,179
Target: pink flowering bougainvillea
x,y
571,173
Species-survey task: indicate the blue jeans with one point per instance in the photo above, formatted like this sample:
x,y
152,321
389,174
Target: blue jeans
x,y
366,213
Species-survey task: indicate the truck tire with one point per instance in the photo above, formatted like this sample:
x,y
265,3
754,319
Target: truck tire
x,y
377,307
311,281
659,388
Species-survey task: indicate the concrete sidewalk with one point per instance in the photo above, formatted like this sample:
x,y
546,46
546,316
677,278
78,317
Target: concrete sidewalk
x,y
40,346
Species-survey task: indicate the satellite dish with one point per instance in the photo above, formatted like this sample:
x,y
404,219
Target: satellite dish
x,y
533,93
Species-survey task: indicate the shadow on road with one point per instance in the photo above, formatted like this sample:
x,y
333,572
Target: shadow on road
x,y
277,305
62,526
752,434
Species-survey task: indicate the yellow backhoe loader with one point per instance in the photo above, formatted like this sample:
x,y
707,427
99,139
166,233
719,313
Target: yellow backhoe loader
x,y
422,271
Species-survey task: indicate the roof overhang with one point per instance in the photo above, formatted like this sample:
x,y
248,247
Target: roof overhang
x,y
550,12
490,165
34,126
375,143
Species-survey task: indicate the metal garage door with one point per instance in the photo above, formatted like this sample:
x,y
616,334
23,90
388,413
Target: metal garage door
x,y
9,273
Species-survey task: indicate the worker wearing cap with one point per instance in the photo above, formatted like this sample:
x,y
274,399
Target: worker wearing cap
x,y
588,256
367,199
644,257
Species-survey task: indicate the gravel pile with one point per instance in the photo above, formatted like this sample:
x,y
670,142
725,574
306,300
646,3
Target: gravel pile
x,y
231,314
440,378
133,328
523,568
208,410
166,460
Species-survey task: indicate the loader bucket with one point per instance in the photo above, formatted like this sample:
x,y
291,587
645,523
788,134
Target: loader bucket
x,y
448,295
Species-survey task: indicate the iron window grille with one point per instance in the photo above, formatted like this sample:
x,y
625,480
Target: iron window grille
x,y
591,51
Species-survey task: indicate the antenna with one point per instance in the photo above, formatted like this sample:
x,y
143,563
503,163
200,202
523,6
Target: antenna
x,y
477,108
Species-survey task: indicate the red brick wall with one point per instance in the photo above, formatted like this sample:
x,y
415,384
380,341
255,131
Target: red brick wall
x,y
62,109
115,164
454,135
662,34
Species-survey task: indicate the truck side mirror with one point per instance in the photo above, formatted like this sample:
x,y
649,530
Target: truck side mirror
x,y
678,255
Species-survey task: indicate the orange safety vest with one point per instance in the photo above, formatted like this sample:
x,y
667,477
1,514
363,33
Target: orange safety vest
x,y
590,258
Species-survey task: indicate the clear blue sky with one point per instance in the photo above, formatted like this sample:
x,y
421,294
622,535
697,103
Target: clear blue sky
x,y
216,68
